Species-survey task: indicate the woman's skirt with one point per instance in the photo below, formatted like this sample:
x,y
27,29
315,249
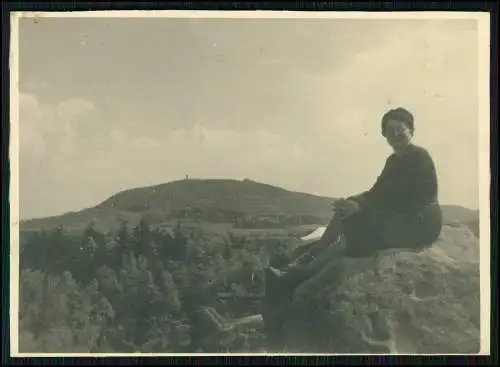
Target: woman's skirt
x,y
367,232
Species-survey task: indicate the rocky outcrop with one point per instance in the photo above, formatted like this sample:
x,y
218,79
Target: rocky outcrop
x,y
395,302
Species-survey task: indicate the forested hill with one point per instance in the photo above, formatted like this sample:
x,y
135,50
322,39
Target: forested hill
x,y
246,196
210,200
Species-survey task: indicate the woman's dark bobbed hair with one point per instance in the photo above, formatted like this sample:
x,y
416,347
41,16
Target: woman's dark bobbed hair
x,y
398,114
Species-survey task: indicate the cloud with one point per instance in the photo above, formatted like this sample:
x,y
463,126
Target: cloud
x,y
74,107
31,137
220,138
29,104
48,157
35,86
202,152
144,142
54,125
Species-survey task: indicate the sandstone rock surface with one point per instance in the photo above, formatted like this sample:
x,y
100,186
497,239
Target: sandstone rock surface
x,y
396,302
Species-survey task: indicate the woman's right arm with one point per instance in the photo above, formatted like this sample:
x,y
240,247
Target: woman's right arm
x,y
371,195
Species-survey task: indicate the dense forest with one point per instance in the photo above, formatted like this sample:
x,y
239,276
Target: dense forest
x,y
138,289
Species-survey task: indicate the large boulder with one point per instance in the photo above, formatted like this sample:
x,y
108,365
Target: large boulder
x,y
395,302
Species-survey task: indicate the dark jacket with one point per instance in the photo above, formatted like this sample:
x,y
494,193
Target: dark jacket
x,y
406,185
401,208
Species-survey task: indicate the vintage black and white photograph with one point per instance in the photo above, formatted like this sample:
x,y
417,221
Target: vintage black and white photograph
x,y
249,183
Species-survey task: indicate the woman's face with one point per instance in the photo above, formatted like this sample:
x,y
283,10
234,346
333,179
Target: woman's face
x,y
398,134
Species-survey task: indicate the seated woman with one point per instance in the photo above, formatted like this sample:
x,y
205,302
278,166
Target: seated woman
x,y
401,210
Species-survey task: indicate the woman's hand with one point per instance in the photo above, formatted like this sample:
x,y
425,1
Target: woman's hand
x,y
345,208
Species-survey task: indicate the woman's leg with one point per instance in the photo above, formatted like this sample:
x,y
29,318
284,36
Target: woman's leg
x,y
305,252
280,287
302,272
316,283
299,273
304,255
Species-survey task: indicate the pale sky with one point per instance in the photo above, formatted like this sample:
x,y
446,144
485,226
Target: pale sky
x,y
112,104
